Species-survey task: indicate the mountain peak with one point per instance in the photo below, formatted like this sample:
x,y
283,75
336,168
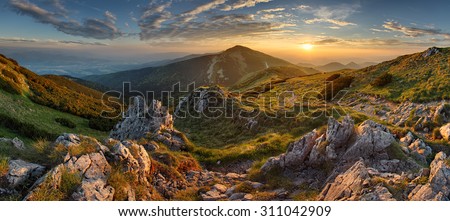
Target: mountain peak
x,y
239,48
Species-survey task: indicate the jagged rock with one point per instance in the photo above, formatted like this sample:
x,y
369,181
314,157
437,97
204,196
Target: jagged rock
x,y
372,138
379,193
18,144
134,159
408,139
430,52
438,186
339,133
420,150
213,195
346,186
445,131
139,120
93,169
237,196
21,171
221,188
248,197
68,140
96,190
151,146
294,156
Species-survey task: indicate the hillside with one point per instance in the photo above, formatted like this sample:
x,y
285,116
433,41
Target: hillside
x,y
336,66
54,92
418,77
224,68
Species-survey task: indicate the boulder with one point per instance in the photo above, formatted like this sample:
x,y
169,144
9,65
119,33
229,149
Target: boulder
x,y
445,131
139,120
372,138
20,172
438,186
18,144
379,193
346,186
221,188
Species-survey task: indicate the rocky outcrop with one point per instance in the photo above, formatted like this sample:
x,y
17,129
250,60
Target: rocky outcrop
x,y
438,186
91,169
15,142
140,119
430,52
347,186
341,143
21,172
155,122
445,132
200,100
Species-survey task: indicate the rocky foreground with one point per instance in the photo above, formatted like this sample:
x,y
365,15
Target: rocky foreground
x,y
145,158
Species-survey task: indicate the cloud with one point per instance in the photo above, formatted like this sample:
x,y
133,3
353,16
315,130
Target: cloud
x,y
243,4
159,24
366,42
192,14
89,28
271,10
32,40
336,15
414,31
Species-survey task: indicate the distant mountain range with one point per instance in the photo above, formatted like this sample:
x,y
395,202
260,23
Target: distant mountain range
x,y
336,66
224,68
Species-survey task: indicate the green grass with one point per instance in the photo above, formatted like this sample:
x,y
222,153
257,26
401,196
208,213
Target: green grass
x,y
25,111
68,184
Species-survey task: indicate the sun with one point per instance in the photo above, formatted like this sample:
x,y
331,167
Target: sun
x,y
307,47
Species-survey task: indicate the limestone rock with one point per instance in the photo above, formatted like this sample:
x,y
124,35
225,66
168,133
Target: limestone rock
x,y
371,139
139,120
379,193
339,133
438,186
18,144
221,188
445,131
346,186
21,171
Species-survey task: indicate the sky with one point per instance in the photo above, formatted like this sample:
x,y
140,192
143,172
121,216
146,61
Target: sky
x,y
308,31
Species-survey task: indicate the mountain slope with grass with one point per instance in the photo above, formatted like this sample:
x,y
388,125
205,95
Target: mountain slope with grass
x,y
224,68
418,77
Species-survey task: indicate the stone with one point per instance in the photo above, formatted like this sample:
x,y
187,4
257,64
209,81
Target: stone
x,y
237,196
221,188
338,133
68,140
445,132
21,171
379,193
371,138
438,186
96,190
248,197
18,144
213,195
139,120
151,146
346,186
408,139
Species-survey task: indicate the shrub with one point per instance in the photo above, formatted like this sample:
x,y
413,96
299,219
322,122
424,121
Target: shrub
x,y
102,124
382,80
66,122
333,77
436,134
25,129
4,167
333,88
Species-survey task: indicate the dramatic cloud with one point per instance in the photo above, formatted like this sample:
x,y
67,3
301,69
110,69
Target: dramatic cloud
x,y
89,28
366,42
333,15
243,4
25,40
414,31
271,10
192,14
158,23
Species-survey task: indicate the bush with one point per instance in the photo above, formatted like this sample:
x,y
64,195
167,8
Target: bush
x,y
66,122
436,134
382,80
333,77
25,129
102,124
333,88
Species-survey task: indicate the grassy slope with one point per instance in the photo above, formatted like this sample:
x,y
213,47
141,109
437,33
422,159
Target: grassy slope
x,y
415,78
43,117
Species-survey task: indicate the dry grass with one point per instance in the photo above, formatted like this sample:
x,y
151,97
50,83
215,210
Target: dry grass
x,y
189,194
